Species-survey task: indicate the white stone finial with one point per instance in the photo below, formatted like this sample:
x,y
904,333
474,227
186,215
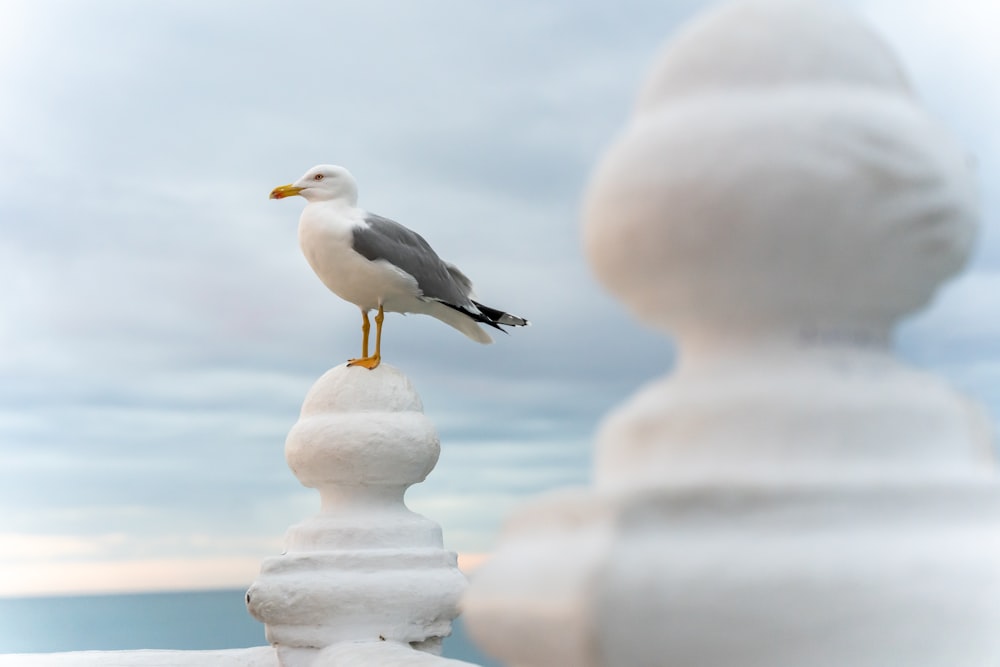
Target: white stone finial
x,y
773,44
792,494
778,205
785,182
365,568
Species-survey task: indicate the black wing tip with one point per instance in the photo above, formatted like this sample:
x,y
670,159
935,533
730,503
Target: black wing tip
x,y
497,317
490,316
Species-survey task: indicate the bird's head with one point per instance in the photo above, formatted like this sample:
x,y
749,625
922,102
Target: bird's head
x,y
325,182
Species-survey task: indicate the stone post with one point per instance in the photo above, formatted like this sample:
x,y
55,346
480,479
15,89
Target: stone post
x,y
792,494
365,569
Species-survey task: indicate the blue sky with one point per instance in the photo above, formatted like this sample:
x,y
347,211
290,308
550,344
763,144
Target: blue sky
x,y
159,327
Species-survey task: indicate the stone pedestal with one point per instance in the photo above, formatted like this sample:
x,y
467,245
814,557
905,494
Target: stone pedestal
x,y
365,568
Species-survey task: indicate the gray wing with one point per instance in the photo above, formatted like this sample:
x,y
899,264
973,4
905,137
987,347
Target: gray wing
x,y
390,241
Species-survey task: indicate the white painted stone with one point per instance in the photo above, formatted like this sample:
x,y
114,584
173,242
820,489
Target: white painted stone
x,y
802,43
259,656
343,654
380,654
792,494
365,568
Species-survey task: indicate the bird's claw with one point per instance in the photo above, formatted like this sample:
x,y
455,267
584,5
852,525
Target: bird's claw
x,y
366,362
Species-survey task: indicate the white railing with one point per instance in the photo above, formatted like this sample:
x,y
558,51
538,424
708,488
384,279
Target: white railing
x,y
791,495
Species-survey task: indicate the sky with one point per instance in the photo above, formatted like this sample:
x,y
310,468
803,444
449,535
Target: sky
x,y
159,327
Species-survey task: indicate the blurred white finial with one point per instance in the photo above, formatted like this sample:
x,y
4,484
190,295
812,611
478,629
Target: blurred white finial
x,y
792,494
779,203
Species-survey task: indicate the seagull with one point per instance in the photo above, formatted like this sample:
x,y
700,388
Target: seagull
x,y
378,264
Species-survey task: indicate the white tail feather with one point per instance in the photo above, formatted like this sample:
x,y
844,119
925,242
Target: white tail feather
x,y
457,319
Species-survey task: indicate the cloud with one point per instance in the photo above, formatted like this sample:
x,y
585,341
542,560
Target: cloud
x,y
159,327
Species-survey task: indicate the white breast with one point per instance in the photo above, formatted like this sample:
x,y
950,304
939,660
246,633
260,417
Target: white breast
x,y
325,236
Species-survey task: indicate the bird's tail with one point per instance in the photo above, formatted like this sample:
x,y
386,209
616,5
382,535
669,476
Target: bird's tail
x,y
467,320
494,317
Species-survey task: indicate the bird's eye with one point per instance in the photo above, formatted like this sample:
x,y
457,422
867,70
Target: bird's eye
x,y
318,177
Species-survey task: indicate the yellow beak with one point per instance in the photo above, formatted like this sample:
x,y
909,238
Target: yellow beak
x,y
283,191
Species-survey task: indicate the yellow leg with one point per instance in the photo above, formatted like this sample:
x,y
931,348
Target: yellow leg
x,y
365,328
378,334
374,360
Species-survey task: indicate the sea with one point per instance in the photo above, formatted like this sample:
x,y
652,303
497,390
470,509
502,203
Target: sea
x,y
176,620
